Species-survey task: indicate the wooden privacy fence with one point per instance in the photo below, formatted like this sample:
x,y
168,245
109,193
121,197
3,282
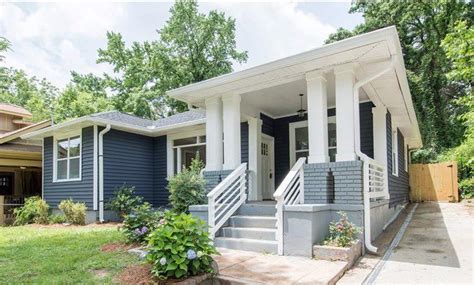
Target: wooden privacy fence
x,y
434,182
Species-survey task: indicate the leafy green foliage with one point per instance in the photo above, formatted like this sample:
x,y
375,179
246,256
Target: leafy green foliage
x,y
180,247
191,47
124,201
187,188
422,27
342,233
140,223
75,212
35,210
57,219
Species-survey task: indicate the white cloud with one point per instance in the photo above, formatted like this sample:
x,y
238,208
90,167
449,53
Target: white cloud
x,y
51,39
270,31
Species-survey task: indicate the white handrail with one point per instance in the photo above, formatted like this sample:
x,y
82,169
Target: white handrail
x,y
226,198
290,192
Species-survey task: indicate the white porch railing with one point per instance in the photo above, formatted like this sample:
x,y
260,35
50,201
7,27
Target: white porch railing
x,y
374,187
226,198
290,192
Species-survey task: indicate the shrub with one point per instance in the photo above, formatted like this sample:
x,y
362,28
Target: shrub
x,y
140,223
57,219
342,233
35,210
124,201
466,187
187,188
180,247
75,212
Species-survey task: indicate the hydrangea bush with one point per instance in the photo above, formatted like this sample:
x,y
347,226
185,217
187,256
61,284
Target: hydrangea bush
x,y
342,233
140,222
180,247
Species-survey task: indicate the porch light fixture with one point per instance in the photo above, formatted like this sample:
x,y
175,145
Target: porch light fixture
x,y
301,111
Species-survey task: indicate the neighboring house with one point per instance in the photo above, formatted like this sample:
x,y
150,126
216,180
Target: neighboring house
x,y
342,145
20,160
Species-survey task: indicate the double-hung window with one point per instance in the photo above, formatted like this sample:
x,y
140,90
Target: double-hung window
x,y
67,162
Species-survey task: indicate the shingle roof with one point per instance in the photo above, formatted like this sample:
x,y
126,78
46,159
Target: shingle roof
x,y
124,118
14,110
188,116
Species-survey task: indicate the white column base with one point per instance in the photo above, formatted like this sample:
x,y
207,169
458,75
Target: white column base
x,y
318,159
346,156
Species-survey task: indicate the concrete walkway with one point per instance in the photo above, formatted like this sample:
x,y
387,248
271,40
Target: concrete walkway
x,y
437,248
242,267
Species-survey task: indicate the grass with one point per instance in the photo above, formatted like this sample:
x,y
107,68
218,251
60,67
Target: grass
x,y
59,255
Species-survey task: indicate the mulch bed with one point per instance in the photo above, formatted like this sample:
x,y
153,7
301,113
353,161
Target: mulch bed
x,y
136,274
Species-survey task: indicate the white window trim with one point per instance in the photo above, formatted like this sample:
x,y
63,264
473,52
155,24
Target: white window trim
x,y
405,155
302,124
169,142
55,156
394,151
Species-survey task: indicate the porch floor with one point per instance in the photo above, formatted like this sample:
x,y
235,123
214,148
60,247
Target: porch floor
x,y
244,267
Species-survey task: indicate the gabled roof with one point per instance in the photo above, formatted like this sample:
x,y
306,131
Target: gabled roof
x,y
127,122
6,137
14,110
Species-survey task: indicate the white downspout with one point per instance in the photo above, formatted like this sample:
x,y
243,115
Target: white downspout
x,y
363,157
101,172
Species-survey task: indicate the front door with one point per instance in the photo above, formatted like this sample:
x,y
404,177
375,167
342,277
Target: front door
x,y
268,175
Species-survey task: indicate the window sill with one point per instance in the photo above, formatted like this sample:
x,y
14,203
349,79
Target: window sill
x,y
67,180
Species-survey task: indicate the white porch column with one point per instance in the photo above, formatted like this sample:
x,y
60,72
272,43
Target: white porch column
x,y
379,114
255,161
214,151
231,115
345,132
317,117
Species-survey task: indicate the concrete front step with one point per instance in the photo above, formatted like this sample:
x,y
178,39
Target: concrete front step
x,y
257,209
249,233
268,222
263,246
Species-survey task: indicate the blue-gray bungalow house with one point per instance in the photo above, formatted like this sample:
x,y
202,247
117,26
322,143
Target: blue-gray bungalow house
x,y
286,145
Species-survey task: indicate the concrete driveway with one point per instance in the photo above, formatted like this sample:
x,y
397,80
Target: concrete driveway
x,y
437,248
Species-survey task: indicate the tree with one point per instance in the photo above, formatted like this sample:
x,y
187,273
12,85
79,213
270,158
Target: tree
x,y
191,47
422,26
74,103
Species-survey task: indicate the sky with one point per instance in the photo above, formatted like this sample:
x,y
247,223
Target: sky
x,y
51,39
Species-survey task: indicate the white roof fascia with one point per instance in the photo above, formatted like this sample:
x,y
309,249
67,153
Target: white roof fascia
x,y
326,50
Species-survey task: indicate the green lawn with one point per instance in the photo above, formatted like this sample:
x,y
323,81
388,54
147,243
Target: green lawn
x,y
30,254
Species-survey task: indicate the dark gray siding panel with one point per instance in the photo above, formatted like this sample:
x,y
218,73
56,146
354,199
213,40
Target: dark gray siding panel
x,y
160,172
244,142
282,146
267,124
366,129
128,159
398,186
82,190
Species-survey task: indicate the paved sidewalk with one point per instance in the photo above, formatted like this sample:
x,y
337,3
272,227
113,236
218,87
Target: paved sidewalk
x,y
437,248
256,268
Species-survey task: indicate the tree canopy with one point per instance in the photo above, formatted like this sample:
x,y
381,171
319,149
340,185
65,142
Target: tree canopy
x,y
191,47
422,27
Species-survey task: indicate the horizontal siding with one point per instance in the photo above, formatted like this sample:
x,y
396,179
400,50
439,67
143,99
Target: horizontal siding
x,y
128,159
366,129
82,190
160,192
244,142
267,124
398,186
